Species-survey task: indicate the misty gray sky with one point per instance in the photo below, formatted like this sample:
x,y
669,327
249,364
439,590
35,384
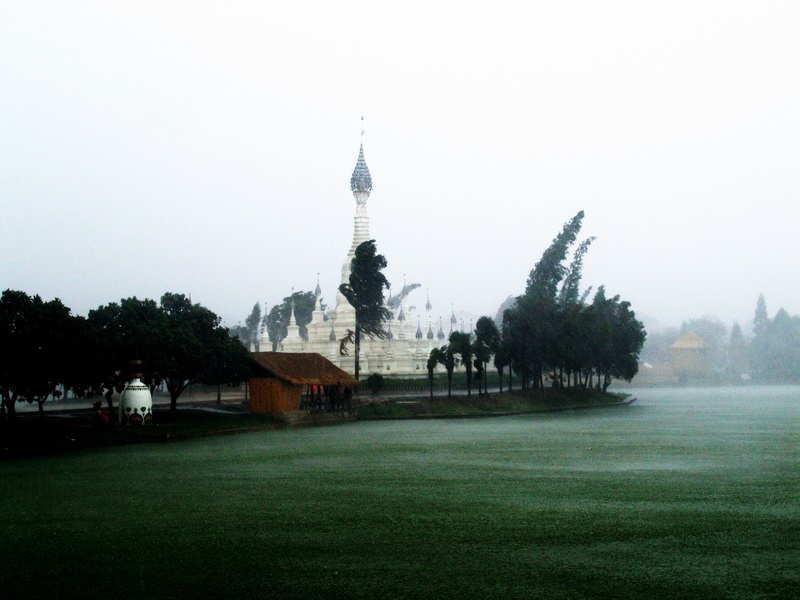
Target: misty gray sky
x,y
206,148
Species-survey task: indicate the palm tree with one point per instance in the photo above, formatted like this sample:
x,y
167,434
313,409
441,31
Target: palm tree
x,y
462,345
364,292
487,341
436,357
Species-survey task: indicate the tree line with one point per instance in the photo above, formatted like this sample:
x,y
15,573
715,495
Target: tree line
x,y
550,331
46,348
770,353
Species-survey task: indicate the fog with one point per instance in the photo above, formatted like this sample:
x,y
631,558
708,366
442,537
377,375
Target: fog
x,y
206,148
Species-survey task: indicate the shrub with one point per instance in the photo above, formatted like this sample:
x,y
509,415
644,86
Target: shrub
x,y
375,383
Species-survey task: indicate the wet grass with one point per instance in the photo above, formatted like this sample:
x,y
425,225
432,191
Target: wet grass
x,y
683,494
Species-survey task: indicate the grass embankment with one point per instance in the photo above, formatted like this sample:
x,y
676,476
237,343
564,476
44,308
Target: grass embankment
x,y
683,497
64,432
515,402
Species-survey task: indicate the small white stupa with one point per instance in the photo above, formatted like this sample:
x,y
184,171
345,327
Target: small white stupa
x,y
136,401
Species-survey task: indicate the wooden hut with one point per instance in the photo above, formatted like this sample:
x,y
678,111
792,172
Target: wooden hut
x,y
289,381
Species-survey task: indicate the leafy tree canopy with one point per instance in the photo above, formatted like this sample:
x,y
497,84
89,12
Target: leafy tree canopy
x,y
34,336
277,319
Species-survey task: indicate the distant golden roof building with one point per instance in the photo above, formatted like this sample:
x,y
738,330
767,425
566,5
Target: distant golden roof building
x,y
689,341
691,358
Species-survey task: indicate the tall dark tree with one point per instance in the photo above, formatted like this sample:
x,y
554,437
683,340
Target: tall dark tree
x,y
364,292
758,348
616,337
230,363
461,344
33,336
501,361
782,348
448,360
435,358
487,342
761,318
738,363
198,347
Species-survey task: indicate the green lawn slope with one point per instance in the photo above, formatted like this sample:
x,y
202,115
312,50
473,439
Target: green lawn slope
x,y
674,496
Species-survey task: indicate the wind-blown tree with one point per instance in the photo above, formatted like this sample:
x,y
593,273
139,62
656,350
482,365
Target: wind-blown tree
x,y
277,319
252,324
567,346
550,327
364,292
506,304
394,301
571,344
461,344
487,342
570,289
537,307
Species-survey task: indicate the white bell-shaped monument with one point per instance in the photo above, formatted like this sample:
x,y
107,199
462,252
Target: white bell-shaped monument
x,y
136,403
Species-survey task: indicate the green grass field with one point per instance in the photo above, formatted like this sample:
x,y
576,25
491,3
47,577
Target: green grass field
x,y
686,493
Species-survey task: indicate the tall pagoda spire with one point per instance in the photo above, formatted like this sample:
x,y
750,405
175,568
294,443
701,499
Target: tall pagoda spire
x,y
361,181
361,186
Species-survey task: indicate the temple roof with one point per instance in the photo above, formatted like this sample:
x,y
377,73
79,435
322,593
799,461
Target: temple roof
x,y
361,181
689,341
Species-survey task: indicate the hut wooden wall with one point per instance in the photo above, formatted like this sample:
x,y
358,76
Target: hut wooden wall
x,y
273,395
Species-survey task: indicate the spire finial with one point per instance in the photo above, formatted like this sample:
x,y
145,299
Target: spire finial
x,y
362,129
361,180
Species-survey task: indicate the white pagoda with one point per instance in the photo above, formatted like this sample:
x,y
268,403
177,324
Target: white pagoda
x,y
408,343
